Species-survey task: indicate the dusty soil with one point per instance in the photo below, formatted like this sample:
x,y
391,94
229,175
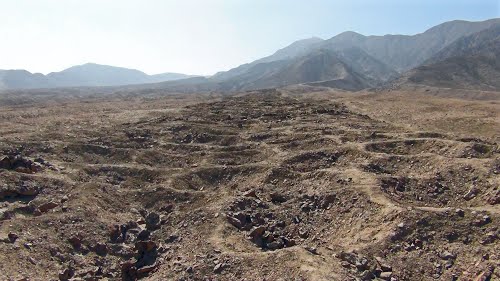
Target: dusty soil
x,y
266,185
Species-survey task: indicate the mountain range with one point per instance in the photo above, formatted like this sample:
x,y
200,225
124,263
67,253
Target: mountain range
x,y
352,61
89,75
453,54
471,62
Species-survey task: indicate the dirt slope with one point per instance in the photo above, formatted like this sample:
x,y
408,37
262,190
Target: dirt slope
x,y
266,185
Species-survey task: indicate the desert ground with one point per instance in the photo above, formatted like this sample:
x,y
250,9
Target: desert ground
x,y
280,184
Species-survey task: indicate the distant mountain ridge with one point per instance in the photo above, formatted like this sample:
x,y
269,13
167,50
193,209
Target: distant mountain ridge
x,y
89,75
404,52
369,61
471,62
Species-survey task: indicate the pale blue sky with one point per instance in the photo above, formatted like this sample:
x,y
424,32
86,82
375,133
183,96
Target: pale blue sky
x,y
199,36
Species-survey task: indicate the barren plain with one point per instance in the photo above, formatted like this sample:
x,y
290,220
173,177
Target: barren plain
x,y
279,184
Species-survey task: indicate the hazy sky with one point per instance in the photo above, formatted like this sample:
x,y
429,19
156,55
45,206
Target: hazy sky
x,y
199,36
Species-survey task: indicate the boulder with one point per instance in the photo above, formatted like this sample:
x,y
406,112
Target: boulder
x,y
152,221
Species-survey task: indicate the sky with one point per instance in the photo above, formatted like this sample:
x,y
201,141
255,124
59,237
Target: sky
x,y
200,36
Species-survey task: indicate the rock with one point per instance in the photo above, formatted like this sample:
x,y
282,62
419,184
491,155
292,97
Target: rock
x,y
490,238
234,221
345,264
114,232
146,253
327,200
482,221
5,163
486,219
172,238
303,233
12,237
128,271
146,269
47,206
19,164
460,212
28,190
145,246
32,260
239,220
278,244
66,274
355,259
471,194
143,235
218,268
167,208
485,275
277,198
152,221
447,255
257,236
250,193
76,242
289,242
19,190
258,231
383,265
386,275
101,249
37,212
401,225
312,250
494,199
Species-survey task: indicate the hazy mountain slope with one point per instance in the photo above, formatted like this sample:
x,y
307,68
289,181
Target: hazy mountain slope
x,y
485,43
331,68
82,75
97,75
472,62
169,76
321,65
376,58
296,49
403,52
315,65
18,79
368,66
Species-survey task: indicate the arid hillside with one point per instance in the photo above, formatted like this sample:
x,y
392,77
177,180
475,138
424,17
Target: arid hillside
x,y
285,184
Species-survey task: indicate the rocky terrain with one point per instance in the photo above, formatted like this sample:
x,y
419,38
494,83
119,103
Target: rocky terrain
x,y
300,183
